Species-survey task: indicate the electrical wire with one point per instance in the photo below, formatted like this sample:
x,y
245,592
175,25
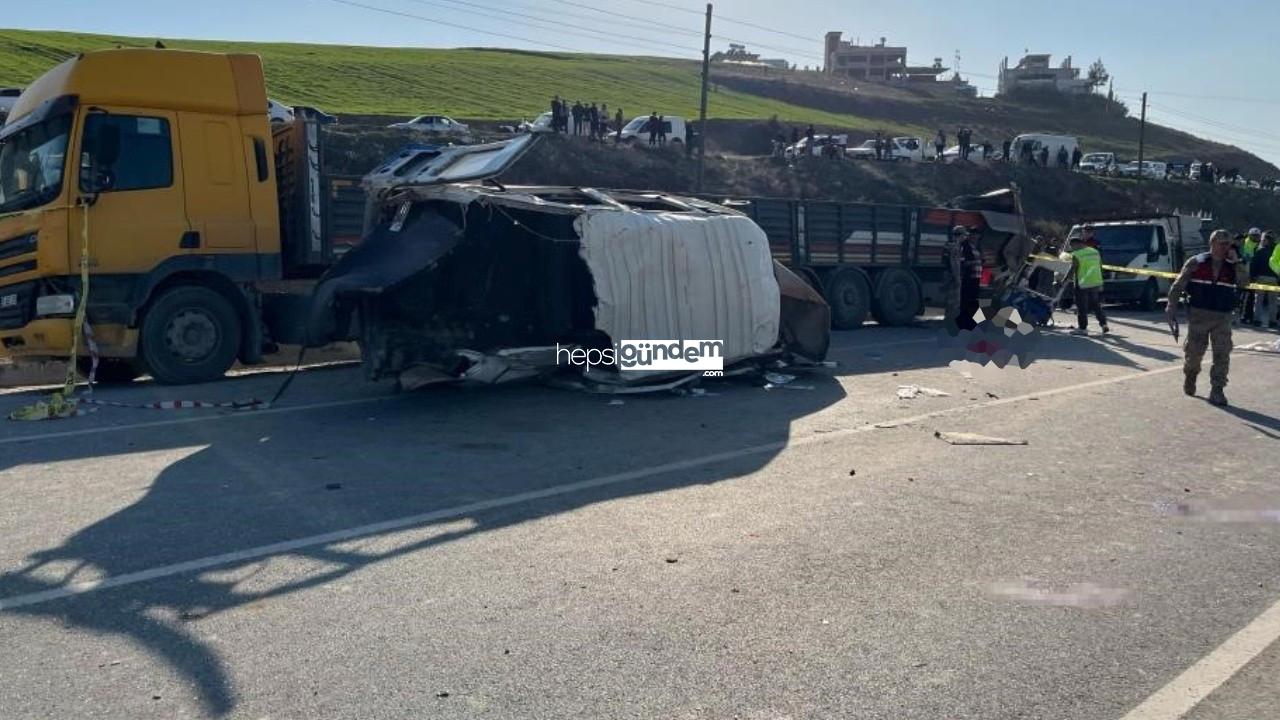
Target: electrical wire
x,y
799,53
744,23
458,26
553,24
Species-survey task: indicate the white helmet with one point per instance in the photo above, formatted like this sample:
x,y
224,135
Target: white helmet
x,y
1254,231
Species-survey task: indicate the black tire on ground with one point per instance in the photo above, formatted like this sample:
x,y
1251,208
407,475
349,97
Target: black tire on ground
x,y
849,295
1150,298
897,297
189,334
111,371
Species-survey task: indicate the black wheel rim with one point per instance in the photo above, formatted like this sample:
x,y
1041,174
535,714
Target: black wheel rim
x,y
192,335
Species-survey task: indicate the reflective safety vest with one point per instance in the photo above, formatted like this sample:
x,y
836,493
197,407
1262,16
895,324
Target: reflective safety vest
x,y
1274,262
1250,247
1088,268
1212,293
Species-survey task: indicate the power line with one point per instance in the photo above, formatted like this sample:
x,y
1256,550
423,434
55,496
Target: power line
x,y
611,13
468,28
554,24
1218,98
1218,123
724,18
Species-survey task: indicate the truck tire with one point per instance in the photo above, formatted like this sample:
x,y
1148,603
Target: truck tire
x,y
1150,298
849,295
897,297
190,334
111,371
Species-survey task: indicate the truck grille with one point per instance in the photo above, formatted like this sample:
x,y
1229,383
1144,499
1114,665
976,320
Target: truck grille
x,y
17,305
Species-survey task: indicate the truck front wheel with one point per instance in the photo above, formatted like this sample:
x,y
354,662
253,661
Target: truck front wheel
x,y
190,334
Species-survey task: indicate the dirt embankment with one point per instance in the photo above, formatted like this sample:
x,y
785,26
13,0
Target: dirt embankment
x,y
1049,195
1101,125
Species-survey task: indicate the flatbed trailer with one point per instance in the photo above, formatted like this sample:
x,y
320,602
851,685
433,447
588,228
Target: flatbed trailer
x,y
880,260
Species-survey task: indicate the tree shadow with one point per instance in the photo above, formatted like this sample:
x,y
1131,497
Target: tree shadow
x,y
264,483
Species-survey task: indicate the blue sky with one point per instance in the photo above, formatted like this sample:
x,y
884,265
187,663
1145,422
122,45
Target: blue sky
x,y
1209,67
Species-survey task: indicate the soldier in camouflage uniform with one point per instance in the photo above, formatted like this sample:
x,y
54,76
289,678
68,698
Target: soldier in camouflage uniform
x,y
1211,281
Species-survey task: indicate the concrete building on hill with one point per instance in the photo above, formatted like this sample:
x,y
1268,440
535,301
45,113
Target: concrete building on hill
x,y
1034,72
879,62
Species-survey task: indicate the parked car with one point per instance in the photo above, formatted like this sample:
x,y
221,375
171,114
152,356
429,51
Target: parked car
x,y
278,112
952,154
542,124
677,130
899,148
1150,169
1099,163
820,144
438,124
8,97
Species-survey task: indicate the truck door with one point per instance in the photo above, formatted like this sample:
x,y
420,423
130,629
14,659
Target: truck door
x,y
217,201
138,219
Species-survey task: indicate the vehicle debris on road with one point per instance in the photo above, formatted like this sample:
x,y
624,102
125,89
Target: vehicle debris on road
x,y
910,392
963,438
461,281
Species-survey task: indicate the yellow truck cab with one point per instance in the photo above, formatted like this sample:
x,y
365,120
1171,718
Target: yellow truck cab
x,y
171,156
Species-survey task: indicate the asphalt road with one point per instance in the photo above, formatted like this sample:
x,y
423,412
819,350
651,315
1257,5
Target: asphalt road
x,y
523,552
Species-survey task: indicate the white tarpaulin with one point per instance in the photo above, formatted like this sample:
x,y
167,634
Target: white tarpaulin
x,y
684,277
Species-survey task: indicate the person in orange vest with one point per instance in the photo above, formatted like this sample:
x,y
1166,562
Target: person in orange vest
x,y
1211,281
1086,269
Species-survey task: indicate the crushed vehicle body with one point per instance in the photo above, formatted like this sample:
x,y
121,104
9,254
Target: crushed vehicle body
x,y
460,277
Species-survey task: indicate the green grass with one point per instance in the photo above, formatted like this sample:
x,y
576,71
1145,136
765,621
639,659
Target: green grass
x,y
466,83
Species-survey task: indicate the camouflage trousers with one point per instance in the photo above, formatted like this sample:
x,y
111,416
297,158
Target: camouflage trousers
x,y
1204,328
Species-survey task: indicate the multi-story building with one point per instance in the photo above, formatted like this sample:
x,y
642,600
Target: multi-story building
x,y
874,62
1034,72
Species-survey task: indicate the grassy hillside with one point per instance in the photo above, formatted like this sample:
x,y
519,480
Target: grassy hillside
x,y
484,84
466,83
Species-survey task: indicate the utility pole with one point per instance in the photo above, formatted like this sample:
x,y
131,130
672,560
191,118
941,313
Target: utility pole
x,y
1142,138
702,112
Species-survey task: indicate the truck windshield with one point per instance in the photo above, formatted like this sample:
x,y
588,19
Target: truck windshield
x,y
1121,243
31,164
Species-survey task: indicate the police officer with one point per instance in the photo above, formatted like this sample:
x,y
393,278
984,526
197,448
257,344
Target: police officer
x,y
1210,280
1086,266
965,260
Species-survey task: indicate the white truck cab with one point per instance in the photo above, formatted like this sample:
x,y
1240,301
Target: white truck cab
x,y
1149,243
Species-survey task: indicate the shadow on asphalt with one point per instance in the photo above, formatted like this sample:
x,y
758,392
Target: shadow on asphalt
x,y
1264,424
238,492
436,449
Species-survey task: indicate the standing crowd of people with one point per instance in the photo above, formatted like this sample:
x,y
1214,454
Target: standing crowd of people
x,y
583,120
592,122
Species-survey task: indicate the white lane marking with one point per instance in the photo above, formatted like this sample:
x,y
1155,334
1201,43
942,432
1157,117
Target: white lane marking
x,y
1200,680
197,419
509,500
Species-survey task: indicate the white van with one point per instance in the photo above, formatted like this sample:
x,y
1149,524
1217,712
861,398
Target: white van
x,y
638,129
1162,242
1039,141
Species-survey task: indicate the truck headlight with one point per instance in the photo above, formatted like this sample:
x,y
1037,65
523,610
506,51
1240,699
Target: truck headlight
x,y
55,305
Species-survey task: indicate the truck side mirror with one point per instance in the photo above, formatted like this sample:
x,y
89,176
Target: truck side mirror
x,y
100,152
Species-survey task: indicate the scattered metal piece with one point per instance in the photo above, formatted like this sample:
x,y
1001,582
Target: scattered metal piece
x,y
961,438
909,392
